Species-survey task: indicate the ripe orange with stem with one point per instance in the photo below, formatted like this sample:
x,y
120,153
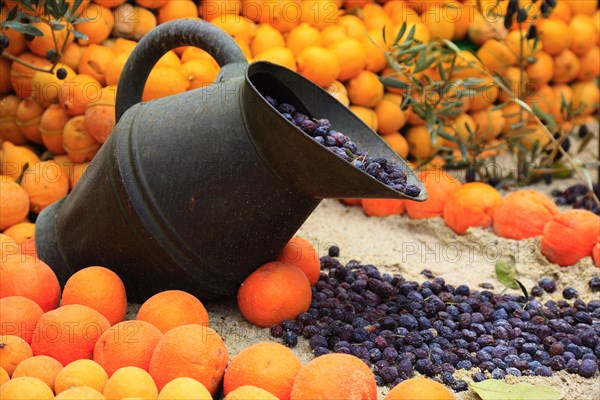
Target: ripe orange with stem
x,y
193,351
13,350
172,308
98,288
523,214
19,316
269,366
22,275
335,376
128,343
274,292
301,253
58,336
570,236
472,205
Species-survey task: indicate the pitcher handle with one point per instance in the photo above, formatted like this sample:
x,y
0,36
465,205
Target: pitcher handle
x,y
165,37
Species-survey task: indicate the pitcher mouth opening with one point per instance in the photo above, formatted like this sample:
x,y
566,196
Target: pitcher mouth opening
x,y
269,86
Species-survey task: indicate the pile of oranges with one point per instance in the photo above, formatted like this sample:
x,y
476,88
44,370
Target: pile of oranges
x,y
520,215
77,344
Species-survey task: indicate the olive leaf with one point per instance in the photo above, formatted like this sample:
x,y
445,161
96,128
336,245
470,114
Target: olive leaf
x,y
506,272
493,389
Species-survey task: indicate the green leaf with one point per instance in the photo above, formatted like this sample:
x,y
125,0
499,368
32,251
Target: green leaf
x,y
429,117
400,33
27,29
462,146
450,44
393,82
79,35
506,271
523,289
494,389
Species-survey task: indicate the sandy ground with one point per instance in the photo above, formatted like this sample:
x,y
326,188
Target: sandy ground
x,y
398,244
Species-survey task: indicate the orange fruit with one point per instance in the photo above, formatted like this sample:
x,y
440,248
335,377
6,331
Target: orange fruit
x,y
530,46
250,393
194,53
561,92
8,245
3,376
199,73
351,56
100,118
335,376
484,28
490,123
582,7
269,366
77,142
419,142
375,50
14,159
523,215
128,343
584,34
98,288
177,9
541,72
390,116
50,39
20,75
238,27
383,207
113,71
43,368
99,27
332,34
274,292
77,92
534,135
517,84
8,119
438,22
318,64
468,65
366,115
68,333
280,56
497,56
80,373
266,37
355,27
152,4
94,62
596,254
123,46
164,81
193,351
472,205
29,113
398,143
80,393
555,36
375,17
319,13
15,203
21,232
570,236
18,316
109,3
72,55
590,65
567,67
16,40
301,37
25,388
586,97
440,185
172,308
46,87
130,382
301,253
211,9
52,124
184,389
486,95
133,22
78,171
13,350
418,388
365,89
45,183
29,277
